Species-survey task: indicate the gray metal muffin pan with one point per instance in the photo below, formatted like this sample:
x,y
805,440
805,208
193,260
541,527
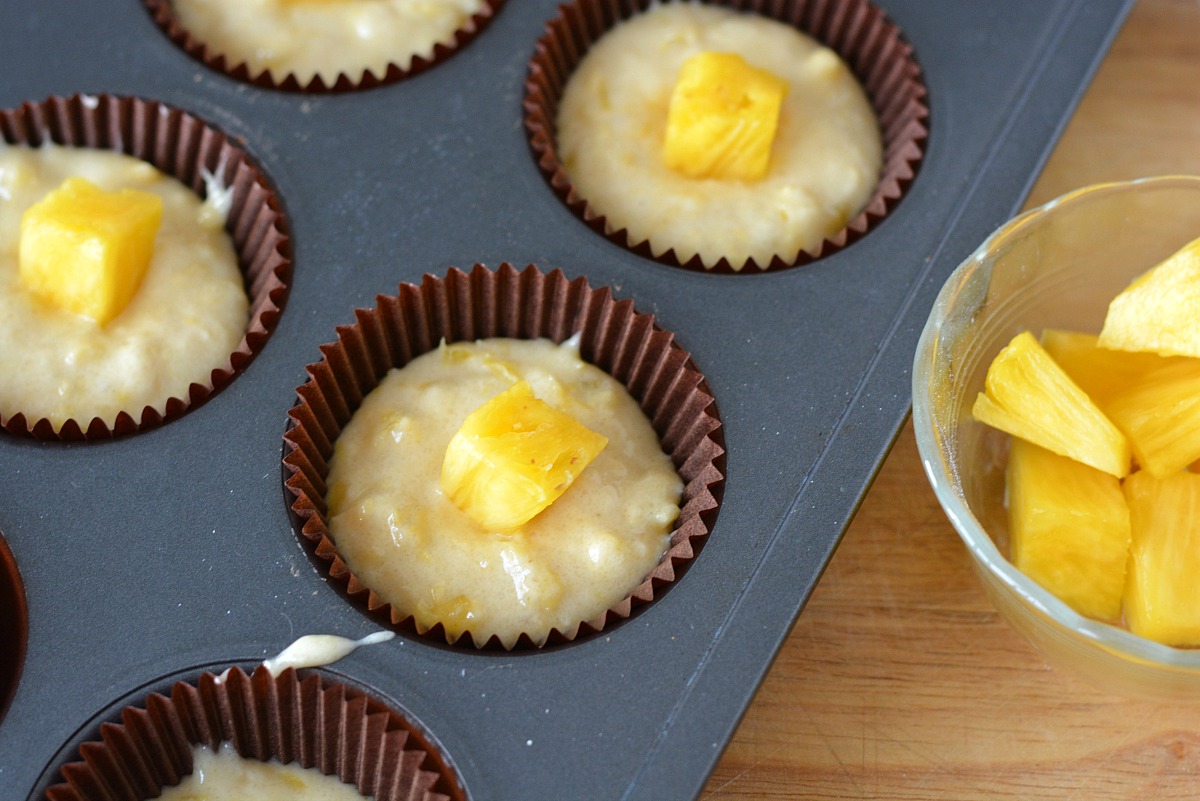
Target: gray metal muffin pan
x,y
154,557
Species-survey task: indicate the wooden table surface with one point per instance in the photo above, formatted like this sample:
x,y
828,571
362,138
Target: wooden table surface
x,y
899,680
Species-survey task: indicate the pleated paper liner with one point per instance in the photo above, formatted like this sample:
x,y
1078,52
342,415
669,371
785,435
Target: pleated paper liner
x,y
309,721
523,304
209,55
14,626
873,47
187,148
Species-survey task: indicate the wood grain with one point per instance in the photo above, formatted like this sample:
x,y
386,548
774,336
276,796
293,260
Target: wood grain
x,y
899,680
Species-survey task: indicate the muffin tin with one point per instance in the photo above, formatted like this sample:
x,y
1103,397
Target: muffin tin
x,y
153,558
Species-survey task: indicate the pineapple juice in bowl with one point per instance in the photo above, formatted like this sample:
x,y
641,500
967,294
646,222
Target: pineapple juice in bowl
x,y
1055,267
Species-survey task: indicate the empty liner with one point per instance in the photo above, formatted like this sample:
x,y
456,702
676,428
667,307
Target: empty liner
x,y
164,16
309,721
525,304
187,148
873,47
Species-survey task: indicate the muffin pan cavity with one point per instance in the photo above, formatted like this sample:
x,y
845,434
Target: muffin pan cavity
x,y
194,545
201,157
861,33
310,721
14,626
212,56
525,304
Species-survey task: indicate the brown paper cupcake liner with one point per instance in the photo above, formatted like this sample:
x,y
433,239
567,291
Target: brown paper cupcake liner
x,y
14,626
873,47
164,16
309,721
187,148
525,304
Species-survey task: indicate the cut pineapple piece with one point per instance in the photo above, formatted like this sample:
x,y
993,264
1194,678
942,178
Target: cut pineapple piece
x,y
1161,602
1160,415
1100,372
722,118
1068,529
1160,310
456,614
86,250
513,457
1028,395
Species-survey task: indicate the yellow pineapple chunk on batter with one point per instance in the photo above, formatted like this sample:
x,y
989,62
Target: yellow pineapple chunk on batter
x,y
1160,310
85,250
513,457
1068,529
1028,395
722,118
1161,602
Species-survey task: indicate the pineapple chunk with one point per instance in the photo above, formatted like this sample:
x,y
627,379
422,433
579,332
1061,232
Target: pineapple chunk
x,y
1158,312
1068,529
1028,395
513,457
722,118
1160,414
456,614
86,250
1100,372
1161,602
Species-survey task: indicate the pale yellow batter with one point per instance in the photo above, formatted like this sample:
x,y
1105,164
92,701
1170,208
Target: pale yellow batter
x,y
411,545
223,775
325,37
825,159
185,320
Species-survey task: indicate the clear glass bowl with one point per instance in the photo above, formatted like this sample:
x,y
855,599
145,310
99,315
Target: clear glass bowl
x,y
1056,266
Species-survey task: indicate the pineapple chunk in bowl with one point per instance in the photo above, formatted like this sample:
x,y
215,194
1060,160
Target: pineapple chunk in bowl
x,y
1055,267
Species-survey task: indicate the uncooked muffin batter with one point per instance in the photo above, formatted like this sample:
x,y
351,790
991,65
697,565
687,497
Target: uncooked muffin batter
x,y
223,775
185,320
311,37
410,544
825,160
